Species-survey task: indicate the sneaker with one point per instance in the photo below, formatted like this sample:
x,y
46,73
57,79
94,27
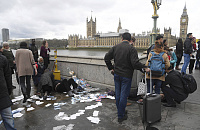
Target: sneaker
x,y
70,93
120,120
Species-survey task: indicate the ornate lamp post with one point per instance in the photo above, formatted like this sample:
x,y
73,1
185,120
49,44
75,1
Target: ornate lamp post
x,y
156,4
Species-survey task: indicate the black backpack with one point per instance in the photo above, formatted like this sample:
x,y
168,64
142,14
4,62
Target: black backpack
x,y
189,83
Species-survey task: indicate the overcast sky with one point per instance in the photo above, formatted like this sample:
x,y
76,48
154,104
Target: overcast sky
x,y
59,18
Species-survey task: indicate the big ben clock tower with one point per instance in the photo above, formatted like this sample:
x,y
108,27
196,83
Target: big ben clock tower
x,y
184,24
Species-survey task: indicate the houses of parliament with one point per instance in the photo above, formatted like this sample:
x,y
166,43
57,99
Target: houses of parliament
x,y
110,39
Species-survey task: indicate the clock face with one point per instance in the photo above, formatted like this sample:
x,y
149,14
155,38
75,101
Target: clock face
x,y
183,20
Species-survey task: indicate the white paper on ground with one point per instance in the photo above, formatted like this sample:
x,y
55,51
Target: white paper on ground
x,y
110,97
73,117
35,97
48,99
17,115
38,103
48,105
95,113
61,113
30,109
62,127
94,119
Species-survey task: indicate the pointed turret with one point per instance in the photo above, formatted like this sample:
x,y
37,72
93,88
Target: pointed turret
x,y
184,11
119,26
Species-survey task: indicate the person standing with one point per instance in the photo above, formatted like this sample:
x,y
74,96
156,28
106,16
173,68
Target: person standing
x,y
125,61
25,64
7,52
193,57
157,80
197,65
5,91
44,52
34,50
179,52
187,52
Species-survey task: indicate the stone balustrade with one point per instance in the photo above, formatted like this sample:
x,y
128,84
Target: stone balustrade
x,y
92,69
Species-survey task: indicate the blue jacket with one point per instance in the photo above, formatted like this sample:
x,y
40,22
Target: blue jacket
x,y
174,59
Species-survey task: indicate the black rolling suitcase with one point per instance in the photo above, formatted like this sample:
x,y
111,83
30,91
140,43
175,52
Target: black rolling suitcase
x,y
151,106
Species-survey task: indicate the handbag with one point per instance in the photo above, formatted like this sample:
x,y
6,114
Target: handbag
x,y
142,87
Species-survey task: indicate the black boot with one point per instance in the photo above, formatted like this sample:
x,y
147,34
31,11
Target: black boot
x,y
25,98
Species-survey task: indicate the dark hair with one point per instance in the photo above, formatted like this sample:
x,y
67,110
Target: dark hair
x,y
133,39
126,36
43,43
189,34
164,41
23,45
180,40
159,37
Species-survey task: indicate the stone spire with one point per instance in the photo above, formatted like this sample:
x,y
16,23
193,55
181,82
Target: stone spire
x,y
184,11
119,26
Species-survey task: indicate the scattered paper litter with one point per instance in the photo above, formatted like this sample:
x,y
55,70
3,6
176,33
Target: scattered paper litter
x,y
93,106
72,117
48,99
94,119
61,116
63,127
95,113
38,103
30,100
35,97
48,105
110,97
30,109
18,98
17,110
17,115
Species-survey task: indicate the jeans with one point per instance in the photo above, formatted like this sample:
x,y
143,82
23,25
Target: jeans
x,y
122,90
157,84
171,95
186,62
26,90
7,117
197,65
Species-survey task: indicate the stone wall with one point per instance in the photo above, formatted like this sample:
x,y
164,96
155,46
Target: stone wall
x,y
92,69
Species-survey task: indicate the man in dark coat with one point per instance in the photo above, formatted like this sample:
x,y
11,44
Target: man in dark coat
x,y
34,50
174,93
5,91
7,52
126,60
179,52
187,52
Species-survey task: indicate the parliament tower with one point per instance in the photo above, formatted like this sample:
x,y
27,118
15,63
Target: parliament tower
x,y
184,24
91,27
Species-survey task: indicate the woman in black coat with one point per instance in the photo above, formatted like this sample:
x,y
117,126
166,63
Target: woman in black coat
x,y
179,52
5,91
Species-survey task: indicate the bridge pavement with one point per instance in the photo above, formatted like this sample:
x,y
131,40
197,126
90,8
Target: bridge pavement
x,y
185,116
